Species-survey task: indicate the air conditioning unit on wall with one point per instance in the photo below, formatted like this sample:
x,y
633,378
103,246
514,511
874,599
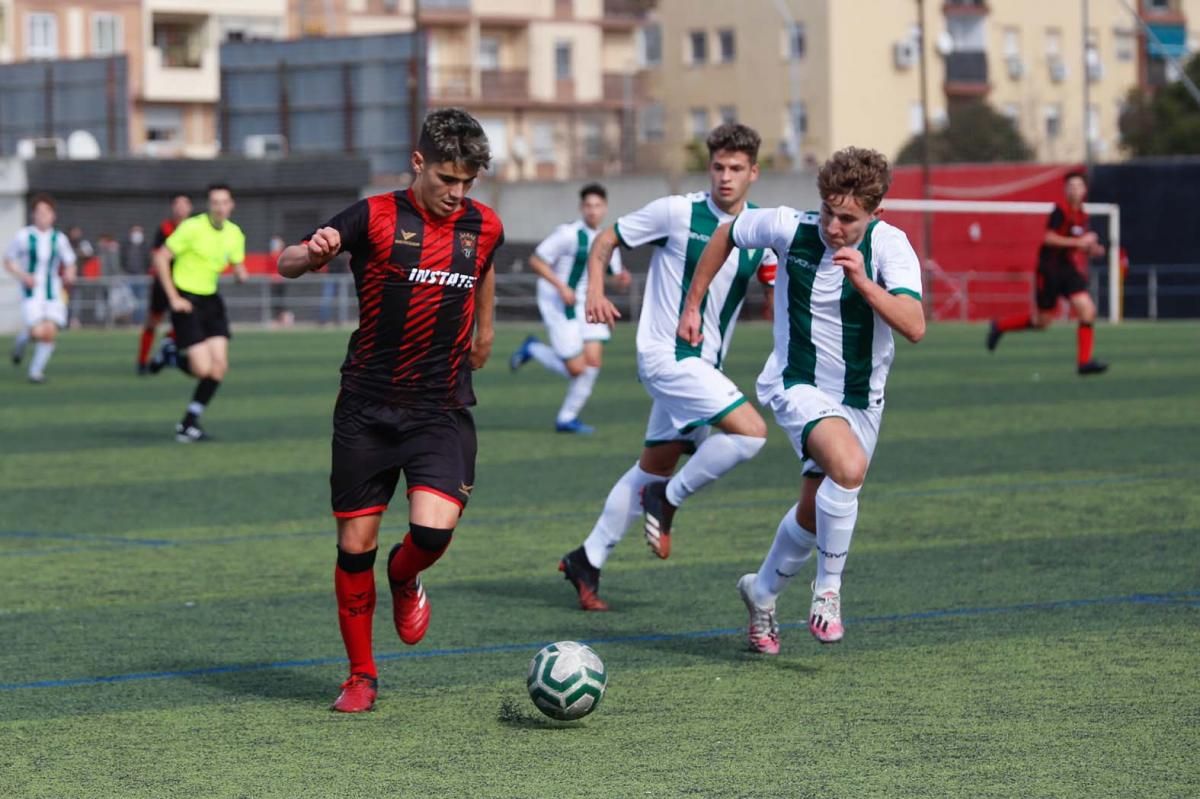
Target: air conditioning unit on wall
x,y
1016,67
1058,70
904,53
265,145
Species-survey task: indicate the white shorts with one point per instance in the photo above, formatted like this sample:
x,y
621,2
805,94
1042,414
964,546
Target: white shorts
x,y
567,336
689,395
799,408
34,311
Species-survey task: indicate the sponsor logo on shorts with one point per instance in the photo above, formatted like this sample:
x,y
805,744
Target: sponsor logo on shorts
x,y
465,489
442,278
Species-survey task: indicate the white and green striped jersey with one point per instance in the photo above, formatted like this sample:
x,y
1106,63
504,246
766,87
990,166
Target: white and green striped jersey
x,y
566,251
826,334
679,227
41,254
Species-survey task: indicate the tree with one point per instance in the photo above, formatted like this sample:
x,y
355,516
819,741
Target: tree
x,y
974,133
1164,123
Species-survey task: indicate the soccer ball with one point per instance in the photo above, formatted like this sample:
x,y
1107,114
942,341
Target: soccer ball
x,y
566,680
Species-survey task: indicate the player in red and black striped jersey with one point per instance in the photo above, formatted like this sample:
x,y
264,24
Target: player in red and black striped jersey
x,y
1061,272
181,209
422,265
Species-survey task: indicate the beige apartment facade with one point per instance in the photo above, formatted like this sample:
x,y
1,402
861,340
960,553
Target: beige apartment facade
x,y
172,47
816,75
554,82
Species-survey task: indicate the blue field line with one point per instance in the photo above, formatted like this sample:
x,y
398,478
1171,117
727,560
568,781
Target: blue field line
x,y
1185,598
100,542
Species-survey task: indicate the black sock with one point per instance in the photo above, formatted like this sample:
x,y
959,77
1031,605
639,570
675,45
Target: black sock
x,y
205,390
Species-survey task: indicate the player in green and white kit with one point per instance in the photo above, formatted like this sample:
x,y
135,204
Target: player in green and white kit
x,y
847,279
690,392
575,347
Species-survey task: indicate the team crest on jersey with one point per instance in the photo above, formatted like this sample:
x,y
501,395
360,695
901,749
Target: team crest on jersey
x,y
466,242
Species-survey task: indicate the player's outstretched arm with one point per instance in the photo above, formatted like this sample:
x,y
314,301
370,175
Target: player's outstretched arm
x,y
485,319
715,253
903,313
599,309
546,272
319,250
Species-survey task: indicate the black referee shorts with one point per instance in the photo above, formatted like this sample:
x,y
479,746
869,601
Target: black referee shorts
x,y
374,442
158,298
206,320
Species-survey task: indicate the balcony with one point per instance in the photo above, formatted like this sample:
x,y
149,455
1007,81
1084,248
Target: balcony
x,y
621,88
168,78
448,85
967,74
953,8
446,12
504,85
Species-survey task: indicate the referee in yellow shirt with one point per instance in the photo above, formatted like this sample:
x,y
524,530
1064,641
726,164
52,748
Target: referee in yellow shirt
x,y
202,247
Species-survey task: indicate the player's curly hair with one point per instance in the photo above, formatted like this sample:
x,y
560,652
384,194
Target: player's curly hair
x,y
451,134
734,137
858,172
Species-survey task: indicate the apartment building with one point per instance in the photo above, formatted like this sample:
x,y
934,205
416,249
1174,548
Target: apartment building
x,y
554,82
172,47
815,75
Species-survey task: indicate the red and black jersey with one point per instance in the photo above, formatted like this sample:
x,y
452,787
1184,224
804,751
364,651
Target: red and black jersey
x,y
1065,221
415,275
164,231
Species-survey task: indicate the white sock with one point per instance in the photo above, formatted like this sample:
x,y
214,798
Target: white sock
x,y
41,356
792,547
195,409
837,511
544,354
578,391
716,456
624,504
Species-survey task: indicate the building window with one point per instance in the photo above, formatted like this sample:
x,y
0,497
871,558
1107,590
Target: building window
x,y
728,45
1053,43
650,122
164,124
562,60
543,142
1125,48
798,118
697,47
651,45
797,41
1012,42
489,52
727,113
180,43
106,34
698,123
496,130
1158,6
593,140
42,36
1053,115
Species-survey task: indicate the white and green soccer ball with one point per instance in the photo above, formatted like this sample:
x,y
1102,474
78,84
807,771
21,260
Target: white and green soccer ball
x,y
566,680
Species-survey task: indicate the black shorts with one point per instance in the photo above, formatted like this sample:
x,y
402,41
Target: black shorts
x,y
158,298
373,442
1057,280
206,320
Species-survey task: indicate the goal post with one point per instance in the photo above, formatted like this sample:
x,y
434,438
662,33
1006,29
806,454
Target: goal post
x,y
1110,211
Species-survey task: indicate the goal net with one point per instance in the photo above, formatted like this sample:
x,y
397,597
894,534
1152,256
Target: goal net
x,y
982,255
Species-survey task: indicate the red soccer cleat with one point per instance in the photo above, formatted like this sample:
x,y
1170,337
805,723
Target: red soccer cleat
x,y
410,607
358,694
585,577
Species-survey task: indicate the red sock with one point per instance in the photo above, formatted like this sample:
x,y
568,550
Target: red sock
x,y
1083,341
1017,321
355,591
145,345
412,559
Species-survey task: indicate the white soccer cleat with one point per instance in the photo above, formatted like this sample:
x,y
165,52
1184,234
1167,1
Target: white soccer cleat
x,y
825,617
763,632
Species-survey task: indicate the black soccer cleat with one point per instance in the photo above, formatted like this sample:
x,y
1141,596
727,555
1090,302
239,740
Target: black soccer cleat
x,y
585,577
659,513
190,434
993,336
1093,367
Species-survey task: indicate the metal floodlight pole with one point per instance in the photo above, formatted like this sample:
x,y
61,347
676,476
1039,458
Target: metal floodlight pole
x,y
1087,89
794,85
926,188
